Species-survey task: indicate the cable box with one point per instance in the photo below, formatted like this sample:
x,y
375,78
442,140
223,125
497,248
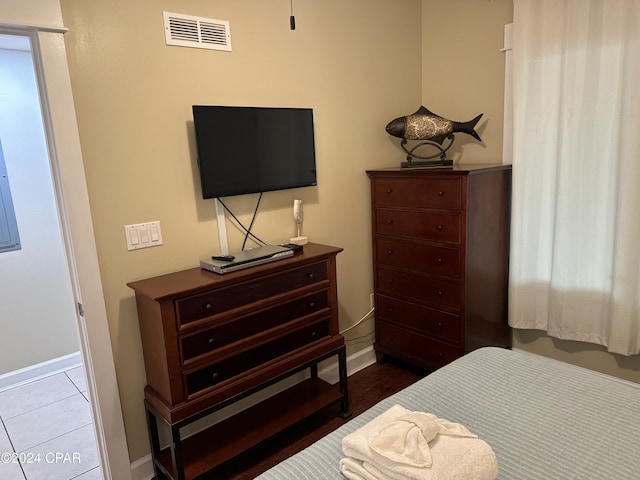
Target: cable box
x,y
247,258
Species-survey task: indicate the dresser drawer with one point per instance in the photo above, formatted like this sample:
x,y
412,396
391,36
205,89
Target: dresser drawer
x,y
423,258
406,343
203,378
211,339
427,321
438,293
419,225
440,239
436,193
214,302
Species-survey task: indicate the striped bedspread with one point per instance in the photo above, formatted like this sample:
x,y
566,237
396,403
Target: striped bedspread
x,y
544,419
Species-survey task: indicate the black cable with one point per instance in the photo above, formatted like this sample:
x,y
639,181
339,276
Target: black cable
x,y
240,223
292,18
255,212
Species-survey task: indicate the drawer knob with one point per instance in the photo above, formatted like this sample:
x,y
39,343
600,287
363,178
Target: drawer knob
x,y
390,281
389,222
439,228
440,194
441,355
389,191
313,334
439,324
310,275
211,341
208,306
390,309
440,261
389,252
215,375
312,304
440,293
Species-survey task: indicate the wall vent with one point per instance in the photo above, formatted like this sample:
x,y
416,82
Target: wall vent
x,y
197,32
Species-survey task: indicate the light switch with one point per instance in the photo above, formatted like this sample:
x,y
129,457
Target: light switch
x,y
134,237
143,235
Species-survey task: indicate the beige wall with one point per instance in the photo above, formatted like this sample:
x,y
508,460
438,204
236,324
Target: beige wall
x,y
463,70
31,12
587,355
356,63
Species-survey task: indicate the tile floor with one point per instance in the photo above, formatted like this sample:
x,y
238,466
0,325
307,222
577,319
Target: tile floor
x,y
46,430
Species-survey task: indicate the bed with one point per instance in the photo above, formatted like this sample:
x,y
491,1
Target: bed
x,y
544,419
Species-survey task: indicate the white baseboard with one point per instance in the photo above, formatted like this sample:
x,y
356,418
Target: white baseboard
x,y
142,469
355,363
39,370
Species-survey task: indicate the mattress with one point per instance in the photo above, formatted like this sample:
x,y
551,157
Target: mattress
x,y
544,419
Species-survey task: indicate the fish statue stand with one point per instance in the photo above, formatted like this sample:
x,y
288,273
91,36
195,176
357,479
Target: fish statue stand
x,y
432,130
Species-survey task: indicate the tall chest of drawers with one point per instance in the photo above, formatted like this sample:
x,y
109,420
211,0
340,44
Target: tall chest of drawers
x,y
211,340
441,255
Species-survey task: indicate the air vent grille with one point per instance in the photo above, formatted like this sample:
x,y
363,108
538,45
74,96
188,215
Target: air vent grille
x,y
197,32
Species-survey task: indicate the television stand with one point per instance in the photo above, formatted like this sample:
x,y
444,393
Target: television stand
x,y
211,340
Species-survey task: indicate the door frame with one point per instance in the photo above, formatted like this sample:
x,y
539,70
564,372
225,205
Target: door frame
x,y
63,142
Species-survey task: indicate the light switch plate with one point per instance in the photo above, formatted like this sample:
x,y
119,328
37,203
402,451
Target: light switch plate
x,y
143,235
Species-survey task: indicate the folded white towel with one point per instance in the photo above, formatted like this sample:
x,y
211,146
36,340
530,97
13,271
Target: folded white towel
x,y
354,470
406,439
400,445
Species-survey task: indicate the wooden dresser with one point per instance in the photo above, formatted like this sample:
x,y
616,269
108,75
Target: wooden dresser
x,y
210,340
441,255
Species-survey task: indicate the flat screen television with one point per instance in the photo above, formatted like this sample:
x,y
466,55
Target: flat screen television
x,y
253,149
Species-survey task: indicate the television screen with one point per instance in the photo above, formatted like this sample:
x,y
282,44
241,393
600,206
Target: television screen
x,y
253,149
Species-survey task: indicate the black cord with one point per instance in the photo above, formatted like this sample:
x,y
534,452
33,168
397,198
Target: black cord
x,y
255,212
292,18
240,223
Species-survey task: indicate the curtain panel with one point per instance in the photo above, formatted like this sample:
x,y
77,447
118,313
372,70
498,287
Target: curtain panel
x,y
575,243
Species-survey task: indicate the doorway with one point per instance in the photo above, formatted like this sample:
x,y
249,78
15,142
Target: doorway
x,y
47,410
72,211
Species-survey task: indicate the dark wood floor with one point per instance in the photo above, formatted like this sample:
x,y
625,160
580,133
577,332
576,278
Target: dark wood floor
x,y
366,388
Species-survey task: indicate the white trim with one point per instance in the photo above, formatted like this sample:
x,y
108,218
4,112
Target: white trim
x,y
355,363
507,130
67,172
222,227
40,370
508,38
142,469
76,223
38,28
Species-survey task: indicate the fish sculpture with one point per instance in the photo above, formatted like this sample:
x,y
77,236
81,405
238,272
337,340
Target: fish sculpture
x,y
426,125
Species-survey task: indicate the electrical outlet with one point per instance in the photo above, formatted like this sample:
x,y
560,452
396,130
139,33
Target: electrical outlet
x,y
372,301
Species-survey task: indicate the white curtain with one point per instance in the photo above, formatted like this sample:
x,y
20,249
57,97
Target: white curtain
x,y
575,250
